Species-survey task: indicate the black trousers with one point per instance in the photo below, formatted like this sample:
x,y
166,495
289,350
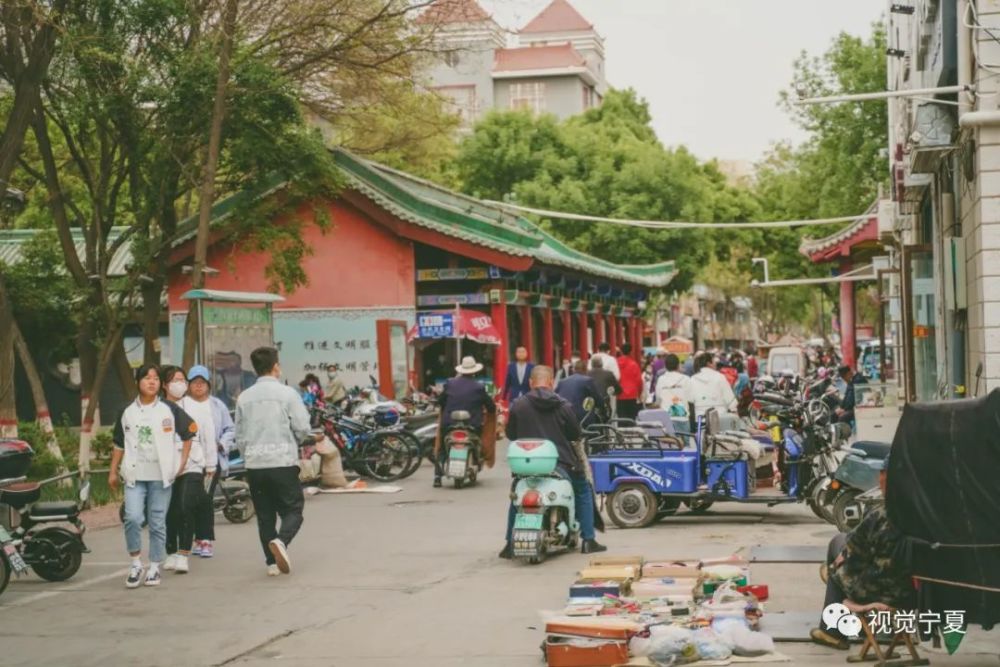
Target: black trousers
x,y
276,492
834,594
205,526
186,507
628,408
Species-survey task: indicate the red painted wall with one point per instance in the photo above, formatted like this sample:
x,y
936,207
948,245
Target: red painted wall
x,y
356,263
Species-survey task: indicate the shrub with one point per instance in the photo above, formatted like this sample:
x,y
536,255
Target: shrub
x,y
102,444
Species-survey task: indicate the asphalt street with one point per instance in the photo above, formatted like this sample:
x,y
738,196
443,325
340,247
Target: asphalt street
x,y
380,580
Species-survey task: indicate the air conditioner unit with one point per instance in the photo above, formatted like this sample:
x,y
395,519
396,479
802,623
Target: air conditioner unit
x,y
886,217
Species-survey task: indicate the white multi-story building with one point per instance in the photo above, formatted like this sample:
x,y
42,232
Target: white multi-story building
x,y
554,64
944,153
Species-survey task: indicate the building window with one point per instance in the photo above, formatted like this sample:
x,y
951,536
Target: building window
x,y
461,100
528,96
588,97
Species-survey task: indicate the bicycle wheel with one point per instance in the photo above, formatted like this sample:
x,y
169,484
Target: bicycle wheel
x,y
416,454
386,456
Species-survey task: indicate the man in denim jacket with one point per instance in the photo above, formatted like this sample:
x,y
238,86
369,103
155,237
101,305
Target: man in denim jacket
x,y
271,422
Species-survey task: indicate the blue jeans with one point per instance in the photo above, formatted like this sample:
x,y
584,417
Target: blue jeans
x,y
583,499
149,501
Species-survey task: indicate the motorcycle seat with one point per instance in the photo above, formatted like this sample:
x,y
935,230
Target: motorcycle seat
x,y
21,494
875,450
54,508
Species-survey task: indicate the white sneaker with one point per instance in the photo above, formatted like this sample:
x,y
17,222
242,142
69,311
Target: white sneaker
x,y
152,577
273,571
181,565
280,553
171,562
134,578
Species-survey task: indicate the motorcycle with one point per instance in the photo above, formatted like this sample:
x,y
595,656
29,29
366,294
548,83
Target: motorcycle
x,y
856,475
546,512
465,452
33,534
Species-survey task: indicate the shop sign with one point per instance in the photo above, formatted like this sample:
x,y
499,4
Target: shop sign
x,y
469,273
921,331
435,325
451,299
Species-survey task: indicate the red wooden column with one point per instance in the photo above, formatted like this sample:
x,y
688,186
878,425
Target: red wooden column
x,y
548,345
847,331
567,337
581,320
598,329
613,340
527,329
636,326
498,313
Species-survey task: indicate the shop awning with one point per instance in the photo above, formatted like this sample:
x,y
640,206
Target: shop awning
x,y
459,323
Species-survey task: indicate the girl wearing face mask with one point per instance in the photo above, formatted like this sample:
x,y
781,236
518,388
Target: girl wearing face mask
x,y
189,494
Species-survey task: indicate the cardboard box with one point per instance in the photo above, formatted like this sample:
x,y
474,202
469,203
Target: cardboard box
x,y
645,588
620,573
617,561
595,589
678,569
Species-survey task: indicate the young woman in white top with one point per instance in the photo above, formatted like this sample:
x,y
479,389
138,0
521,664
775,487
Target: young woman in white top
x,y
146,450
189,493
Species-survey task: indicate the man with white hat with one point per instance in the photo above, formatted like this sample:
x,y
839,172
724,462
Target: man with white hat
x,y
462,392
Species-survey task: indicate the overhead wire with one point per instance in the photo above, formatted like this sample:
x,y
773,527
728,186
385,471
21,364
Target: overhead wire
x,y
677,224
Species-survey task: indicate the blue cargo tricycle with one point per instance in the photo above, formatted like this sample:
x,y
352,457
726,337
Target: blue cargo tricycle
x,y
645,470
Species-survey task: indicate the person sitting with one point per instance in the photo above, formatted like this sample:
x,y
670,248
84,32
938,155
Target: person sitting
x,y
709,388
865,570
672,388
462,392
541,413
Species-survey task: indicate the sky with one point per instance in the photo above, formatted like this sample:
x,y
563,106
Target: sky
x,y
711,70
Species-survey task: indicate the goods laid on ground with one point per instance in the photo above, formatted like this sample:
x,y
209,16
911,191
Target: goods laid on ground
x,y
625,610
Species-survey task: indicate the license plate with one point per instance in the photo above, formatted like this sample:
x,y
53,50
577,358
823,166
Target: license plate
x,y
528,522
456,469
16,562
458,453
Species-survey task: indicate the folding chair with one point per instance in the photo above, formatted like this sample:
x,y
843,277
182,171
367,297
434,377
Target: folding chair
x,y
883,655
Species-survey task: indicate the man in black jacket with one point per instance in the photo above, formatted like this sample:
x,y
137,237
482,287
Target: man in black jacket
x,y
576,389
604,380
543,414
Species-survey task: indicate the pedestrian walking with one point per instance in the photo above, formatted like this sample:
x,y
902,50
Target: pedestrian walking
x,y
518,373
576,389
271,423
200,394
145,450
608,362
188,500
607,386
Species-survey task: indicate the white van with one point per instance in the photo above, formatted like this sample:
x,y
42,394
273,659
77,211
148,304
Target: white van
x,y
782,359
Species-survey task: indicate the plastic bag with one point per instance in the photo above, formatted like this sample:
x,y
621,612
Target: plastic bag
x,y
710,646
666,645
741,639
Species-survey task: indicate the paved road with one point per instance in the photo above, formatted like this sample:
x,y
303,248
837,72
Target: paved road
x,y
408,579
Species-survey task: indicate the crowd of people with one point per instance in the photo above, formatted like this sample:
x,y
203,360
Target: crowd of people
x,y
172,445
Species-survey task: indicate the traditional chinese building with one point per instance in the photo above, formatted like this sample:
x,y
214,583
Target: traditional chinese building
x,y
400,246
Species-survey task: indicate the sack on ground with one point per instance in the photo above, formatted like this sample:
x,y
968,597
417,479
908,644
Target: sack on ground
x,y
332,470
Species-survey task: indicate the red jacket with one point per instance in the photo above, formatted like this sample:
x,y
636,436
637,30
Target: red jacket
x,y
631,379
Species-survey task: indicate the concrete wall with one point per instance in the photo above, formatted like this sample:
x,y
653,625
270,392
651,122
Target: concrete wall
x,y
474,67
563,94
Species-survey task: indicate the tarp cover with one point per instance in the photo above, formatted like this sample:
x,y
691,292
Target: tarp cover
x,y
944,491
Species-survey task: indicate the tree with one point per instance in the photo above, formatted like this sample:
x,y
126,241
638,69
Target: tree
x,y
836,172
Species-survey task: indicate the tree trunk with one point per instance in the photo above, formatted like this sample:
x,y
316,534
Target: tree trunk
x,y
91,402
152,292
207,195
8,407
38,395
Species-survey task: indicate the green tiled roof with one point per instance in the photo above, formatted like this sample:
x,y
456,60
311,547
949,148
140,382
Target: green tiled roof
x,y
434,207
428,205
